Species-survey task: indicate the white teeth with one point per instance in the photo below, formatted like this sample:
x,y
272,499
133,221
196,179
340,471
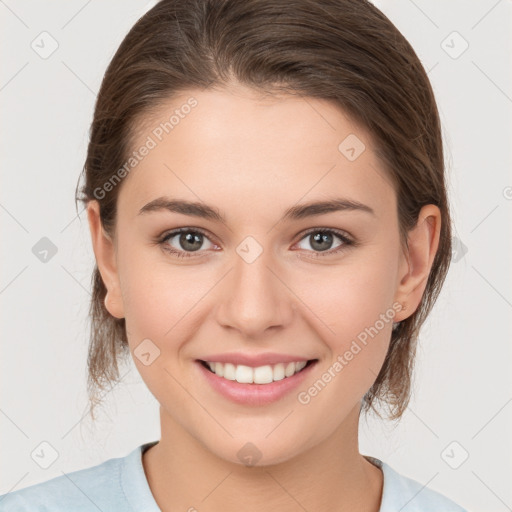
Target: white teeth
x,y
244,374
229,371
259,375
278,372
299,366
219,369
263,374
290,369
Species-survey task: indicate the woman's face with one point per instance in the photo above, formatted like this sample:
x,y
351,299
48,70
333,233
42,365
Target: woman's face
x,y
262,280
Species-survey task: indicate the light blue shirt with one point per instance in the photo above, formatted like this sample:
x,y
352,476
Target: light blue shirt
x,y
120,485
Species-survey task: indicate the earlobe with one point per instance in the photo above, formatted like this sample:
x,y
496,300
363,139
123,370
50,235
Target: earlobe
x,y
423,242
104,251
114,308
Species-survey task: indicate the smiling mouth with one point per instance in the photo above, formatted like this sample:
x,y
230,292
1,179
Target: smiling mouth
x,y
256,375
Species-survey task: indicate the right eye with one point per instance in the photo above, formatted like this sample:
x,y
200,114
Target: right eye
x,y
184,241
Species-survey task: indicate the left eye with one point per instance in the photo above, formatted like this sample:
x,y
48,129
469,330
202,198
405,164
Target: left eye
x,y
321,240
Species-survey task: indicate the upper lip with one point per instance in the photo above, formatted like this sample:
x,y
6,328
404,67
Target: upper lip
x,y
268,358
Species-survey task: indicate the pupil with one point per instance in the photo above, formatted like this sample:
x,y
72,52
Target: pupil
x,y
187,241
321,238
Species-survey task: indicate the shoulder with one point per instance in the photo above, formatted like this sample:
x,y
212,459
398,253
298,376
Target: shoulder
x,y
405,494
99,487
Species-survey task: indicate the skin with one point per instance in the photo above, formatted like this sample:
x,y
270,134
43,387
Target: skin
x,y
252,157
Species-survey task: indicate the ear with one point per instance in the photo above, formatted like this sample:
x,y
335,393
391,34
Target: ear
x,y
104,251
423,241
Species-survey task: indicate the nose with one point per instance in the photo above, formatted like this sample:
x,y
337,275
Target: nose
x,y
254,298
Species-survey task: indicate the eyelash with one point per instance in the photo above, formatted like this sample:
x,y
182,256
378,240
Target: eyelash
x,y
347,242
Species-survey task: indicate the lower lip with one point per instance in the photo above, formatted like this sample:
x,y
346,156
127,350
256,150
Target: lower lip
x,y
255,394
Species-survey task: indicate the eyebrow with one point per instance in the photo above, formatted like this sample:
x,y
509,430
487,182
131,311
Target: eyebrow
x,y
297,212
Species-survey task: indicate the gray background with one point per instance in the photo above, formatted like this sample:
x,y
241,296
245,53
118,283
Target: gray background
x,y
462,400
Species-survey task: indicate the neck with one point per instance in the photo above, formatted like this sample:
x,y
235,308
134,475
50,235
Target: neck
x,y
184,475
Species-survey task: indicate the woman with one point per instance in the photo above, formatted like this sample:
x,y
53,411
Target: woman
x,y
266,198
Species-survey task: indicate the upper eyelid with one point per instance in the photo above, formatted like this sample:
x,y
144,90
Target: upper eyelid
x,y
336,232
173,232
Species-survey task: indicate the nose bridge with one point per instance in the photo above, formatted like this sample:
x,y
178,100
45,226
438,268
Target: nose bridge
x,y
254,299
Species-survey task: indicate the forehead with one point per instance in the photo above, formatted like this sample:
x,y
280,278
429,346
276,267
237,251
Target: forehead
x,y
236,147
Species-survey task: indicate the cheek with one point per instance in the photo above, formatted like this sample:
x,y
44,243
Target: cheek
x,y
160,299
356,305
352,296
353,311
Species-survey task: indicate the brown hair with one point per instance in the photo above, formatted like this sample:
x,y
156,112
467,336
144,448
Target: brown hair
x,y
345,51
